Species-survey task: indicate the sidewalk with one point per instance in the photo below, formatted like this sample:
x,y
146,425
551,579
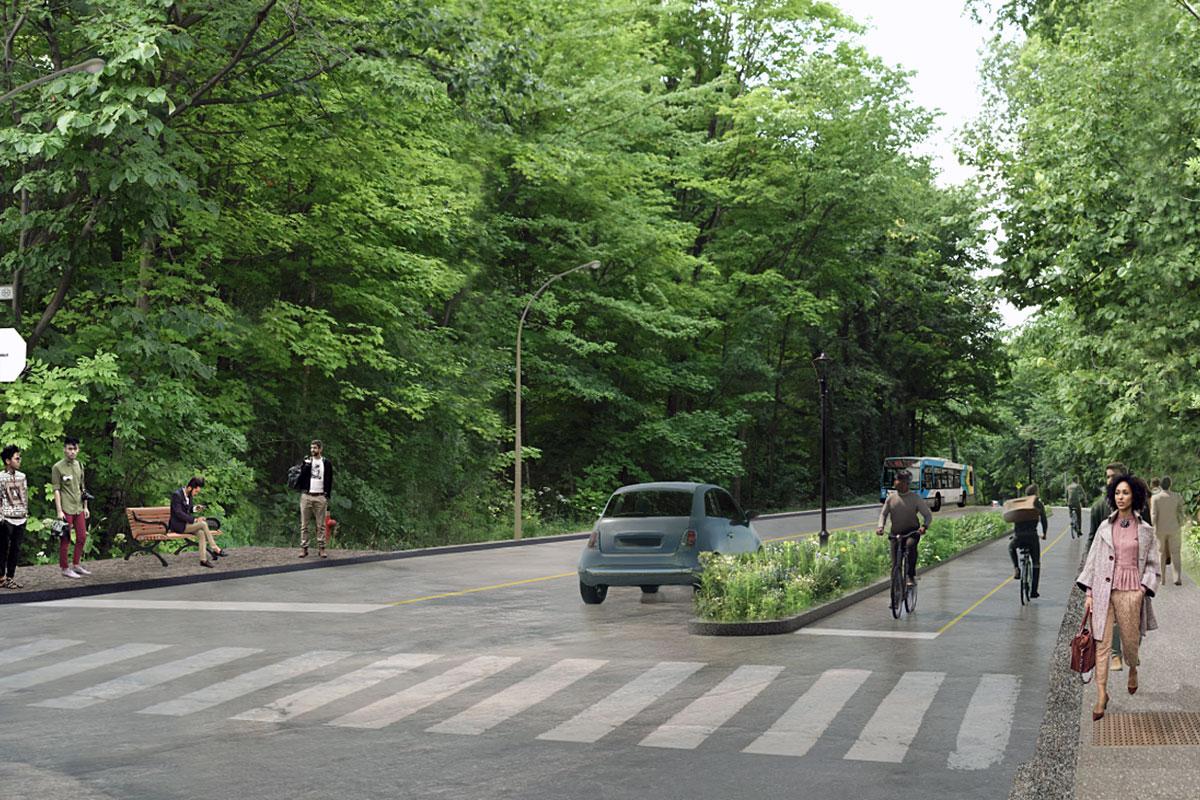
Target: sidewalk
x,y
1138,750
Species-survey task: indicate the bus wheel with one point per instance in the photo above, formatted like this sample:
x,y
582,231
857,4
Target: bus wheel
x,y
962,501
937,502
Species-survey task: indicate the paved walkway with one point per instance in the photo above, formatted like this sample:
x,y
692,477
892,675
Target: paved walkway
x,y
1169,681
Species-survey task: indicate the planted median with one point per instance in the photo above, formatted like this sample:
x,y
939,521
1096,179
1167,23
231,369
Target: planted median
x,y
785,579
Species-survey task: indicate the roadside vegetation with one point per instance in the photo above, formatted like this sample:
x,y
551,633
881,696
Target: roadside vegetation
x,y
785,578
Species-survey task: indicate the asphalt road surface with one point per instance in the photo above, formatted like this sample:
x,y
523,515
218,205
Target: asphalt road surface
x,y
483,675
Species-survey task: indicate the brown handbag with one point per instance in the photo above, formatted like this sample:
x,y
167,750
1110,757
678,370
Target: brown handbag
x,y
1022,509
1083,650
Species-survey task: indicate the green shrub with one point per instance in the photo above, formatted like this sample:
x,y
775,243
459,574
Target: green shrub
x,y
784,578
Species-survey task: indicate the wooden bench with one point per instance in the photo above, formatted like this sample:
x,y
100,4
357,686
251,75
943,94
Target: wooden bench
x,y
148,528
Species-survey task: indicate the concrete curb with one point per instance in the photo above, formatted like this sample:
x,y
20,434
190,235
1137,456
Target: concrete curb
x,y
183,580
1050,774
701,627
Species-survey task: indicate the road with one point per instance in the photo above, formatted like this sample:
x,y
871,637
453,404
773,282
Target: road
x,y
483,675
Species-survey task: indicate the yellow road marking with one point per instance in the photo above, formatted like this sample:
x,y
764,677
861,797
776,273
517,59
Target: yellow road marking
x,y
999,586
482,589
814,533
510,584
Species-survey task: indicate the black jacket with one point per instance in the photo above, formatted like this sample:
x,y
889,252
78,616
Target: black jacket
x,y
306,476
181,511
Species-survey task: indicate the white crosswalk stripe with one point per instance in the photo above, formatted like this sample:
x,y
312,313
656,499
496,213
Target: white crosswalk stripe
x,y
64,669
983,735
39,647
689,728
709,702
604,717
895,722
306,700
146,678
400,705
517,698
244,684
802,725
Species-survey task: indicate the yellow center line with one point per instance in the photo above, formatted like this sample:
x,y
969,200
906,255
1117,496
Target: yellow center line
x,y
999,586
814,533
482,589
510,584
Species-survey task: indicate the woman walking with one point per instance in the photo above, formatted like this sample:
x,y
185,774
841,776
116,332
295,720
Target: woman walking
x,y
1120,576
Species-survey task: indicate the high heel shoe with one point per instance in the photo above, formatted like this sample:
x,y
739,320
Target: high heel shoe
x,y
1098,715
1132,686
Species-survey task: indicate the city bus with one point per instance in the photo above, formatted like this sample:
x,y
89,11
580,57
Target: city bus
x,y
938,480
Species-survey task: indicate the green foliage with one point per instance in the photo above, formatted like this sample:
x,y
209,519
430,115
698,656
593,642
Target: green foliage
x,y
332,230
784,578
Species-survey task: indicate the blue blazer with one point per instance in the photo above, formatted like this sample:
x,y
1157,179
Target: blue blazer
x,y
181,511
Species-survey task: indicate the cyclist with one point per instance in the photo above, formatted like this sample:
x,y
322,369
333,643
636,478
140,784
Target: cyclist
x,y
1075,506
903,507
1025,535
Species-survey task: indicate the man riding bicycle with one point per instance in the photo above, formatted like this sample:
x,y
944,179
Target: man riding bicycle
x,y
1025,536
1075,506
903,507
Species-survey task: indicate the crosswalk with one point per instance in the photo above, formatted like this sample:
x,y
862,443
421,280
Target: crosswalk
x,y
685,705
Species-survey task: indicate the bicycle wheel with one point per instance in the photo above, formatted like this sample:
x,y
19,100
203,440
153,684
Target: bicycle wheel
x,y
1026,576
897,584
910,597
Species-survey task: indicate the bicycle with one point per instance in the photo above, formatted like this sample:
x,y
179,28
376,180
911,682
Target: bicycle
x,y
1025,560
903,595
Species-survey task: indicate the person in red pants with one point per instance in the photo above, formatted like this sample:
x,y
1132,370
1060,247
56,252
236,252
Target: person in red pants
x,y
70,501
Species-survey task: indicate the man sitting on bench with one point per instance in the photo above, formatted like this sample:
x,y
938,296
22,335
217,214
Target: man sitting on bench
x,y
183,521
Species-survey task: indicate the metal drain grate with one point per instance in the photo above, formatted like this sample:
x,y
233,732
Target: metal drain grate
x,y
1147,728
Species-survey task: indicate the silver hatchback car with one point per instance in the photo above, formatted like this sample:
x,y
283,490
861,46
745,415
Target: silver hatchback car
x,y
651,534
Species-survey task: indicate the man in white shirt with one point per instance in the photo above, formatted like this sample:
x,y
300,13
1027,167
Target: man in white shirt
x,y
316,487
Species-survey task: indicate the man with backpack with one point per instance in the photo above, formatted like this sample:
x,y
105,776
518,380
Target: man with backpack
x,y
315,483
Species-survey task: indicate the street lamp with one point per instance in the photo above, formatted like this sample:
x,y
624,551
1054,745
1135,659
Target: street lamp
x,y
517,415
821,366
93,66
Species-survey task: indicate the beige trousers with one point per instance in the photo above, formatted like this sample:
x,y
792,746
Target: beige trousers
x,y
313,507
204,537
1125,610
1169,544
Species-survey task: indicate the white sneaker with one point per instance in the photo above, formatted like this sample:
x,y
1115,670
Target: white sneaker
x,y
80,569
70,573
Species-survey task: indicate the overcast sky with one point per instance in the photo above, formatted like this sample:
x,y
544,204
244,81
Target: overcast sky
x,y
942,45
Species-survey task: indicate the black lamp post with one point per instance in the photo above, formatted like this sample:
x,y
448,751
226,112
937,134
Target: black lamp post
x,y
821,365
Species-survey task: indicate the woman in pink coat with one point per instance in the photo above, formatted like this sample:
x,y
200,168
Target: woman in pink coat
x,y
1120,576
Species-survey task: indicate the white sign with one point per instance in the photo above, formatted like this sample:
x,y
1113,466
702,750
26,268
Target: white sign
x,y
12,355
6,291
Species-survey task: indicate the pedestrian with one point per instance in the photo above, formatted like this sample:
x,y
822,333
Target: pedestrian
x,y
14,513
71,504
1099,512
1155,486
1075,504
1166,515
1120,576
1025,535
183,520
316,487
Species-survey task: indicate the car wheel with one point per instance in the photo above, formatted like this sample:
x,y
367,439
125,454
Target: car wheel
x,y
937,502
593,595
650,589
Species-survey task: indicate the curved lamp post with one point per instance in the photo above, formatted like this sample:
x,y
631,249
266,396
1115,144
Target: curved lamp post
x,y
93,66
517,415
821,366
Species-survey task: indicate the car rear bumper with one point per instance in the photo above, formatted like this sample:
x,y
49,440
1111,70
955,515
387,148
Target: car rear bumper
x,y
631,575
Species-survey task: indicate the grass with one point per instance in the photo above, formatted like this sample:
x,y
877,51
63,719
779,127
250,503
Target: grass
x,y
784,578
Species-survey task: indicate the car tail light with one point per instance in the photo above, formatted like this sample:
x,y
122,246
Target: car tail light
x,y
592,540
689,539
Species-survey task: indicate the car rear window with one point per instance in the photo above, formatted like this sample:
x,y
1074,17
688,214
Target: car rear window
x,y
650,504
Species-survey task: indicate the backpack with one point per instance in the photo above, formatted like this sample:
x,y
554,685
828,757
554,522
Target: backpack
x,y
293,476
